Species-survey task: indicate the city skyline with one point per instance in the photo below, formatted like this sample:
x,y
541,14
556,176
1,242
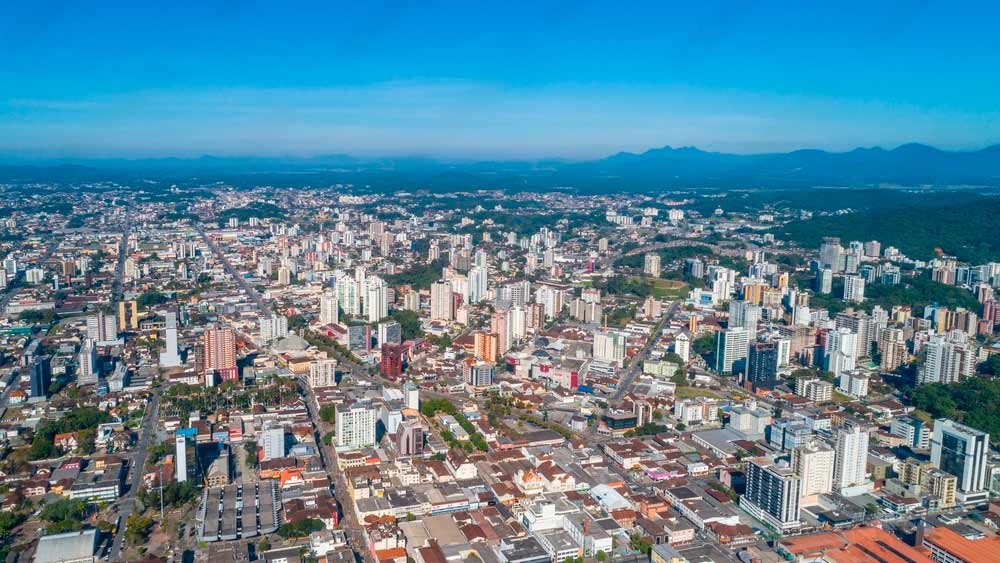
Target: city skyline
x,y
548,81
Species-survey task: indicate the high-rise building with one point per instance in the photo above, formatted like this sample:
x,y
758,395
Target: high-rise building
x,y
962,451
102,328
40,375
831,254
329,308
501,326
486,346
518,323
390,332
128,314
731,348
854,383
478,282
284,275
180,457
824,281
948,358
356,425
892,348
854,289
814,464
814,389
840,353
762,365
441,301
849,475
323,373
376,299
478,373
272,328
219,347
349,295
651,265
391,366
912,430
609,346
89,370
410,438
169,357
272,441
411,396
772,494
746,315
682,346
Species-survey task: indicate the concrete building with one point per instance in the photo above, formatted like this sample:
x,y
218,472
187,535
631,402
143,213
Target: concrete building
x,y
356,425
272,441
962,451
731,348
170,357
814,464
772,494
180,457
849,475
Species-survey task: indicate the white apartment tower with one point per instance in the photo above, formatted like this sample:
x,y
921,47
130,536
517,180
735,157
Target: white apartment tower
x,y
851,459
329,308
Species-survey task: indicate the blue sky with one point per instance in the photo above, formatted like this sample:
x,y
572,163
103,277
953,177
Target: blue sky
x,y
493,80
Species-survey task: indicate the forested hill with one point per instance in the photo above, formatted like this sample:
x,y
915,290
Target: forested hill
x,y
967,230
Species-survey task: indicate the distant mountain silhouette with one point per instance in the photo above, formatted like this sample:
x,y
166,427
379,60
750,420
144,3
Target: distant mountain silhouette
x,y
660,168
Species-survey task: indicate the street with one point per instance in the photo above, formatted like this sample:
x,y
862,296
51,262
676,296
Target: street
x,y
625,383
127,502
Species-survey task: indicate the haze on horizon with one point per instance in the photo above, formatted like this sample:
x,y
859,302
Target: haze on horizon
x,y
545,79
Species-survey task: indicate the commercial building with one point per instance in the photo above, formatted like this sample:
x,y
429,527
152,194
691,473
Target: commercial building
x,y
40,375
962,451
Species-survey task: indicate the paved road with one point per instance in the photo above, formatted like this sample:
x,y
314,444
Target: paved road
x,y
351,525
240,280
625,383
138,461
116,288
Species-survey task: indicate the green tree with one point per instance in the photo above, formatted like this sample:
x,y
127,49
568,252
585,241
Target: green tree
x,y
328,413
137,528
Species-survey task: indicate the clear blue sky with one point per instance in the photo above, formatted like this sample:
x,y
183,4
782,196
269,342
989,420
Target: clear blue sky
x,y
466,79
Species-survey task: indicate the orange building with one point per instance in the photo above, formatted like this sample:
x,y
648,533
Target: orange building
x,y
487,346
948,545
858,545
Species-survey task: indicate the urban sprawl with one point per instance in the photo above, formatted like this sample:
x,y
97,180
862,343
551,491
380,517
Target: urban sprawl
x,y
210,373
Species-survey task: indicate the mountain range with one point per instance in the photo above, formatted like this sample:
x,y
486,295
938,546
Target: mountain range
x,y
662,168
